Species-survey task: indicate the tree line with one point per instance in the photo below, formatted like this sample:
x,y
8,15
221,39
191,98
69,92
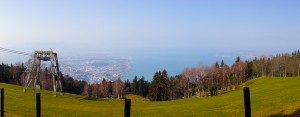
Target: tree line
x,y
118,88
15,74
279,65
12,74
201,81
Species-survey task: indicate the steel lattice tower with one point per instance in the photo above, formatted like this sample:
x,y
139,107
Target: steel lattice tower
x,y
33,73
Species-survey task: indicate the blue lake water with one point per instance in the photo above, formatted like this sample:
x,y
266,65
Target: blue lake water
x,y
147,64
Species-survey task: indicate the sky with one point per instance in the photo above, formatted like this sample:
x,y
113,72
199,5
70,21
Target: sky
x,y
154,27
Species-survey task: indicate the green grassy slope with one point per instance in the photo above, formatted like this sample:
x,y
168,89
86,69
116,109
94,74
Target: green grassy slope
x,y
269,97
19,104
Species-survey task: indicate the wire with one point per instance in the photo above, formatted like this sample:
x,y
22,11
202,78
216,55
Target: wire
x,y
14,51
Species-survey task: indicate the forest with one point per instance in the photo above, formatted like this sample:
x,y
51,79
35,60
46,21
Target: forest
x,y
201,81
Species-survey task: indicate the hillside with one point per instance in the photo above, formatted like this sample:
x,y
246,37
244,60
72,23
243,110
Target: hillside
x,y
269,97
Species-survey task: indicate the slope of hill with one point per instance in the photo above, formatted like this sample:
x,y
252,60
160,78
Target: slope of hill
x,y
136,97
269,97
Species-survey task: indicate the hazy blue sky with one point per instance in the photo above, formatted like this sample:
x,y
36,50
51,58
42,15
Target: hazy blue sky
x,y
147,26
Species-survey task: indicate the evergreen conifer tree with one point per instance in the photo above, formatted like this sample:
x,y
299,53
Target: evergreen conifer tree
x,y
159,89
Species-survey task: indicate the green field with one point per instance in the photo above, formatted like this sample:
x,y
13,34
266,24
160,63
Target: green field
x,y
269,97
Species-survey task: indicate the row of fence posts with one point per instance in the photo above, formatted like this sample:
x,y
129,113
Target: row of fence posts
x,y
127,104
38,105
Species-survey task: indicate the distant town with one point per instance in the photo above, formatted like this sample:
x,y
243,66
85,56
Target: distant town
x,y
94,69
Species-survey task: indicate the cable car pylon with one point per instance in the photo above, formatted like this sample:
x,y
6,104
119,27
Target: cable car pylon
x,y
33,72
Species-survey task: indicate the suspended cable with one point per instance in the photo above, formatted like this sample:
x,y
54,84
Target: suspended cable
x,y
14,51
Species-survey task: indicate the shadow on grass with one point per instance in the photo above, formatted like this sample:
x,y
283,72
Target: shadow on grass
x,y
294,114
95,99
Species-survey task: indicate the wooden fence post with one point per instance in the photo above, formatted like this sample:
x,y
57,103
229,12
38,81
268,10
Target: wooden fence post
x,y
127,108
2,102
38,105
247,102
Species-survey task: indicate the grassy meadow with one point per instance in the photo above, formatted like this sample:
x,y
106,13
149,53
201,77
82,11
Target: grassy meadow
x,y
269,97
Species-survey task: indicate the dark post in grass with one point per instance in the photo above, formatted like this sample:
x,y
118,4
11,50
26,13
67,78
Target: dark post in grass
x,y
127,108
247,102
38,104
2,102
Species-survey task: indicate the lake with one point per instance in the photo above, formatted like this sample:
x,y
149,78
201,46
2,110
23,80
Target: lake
x,y
147,64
